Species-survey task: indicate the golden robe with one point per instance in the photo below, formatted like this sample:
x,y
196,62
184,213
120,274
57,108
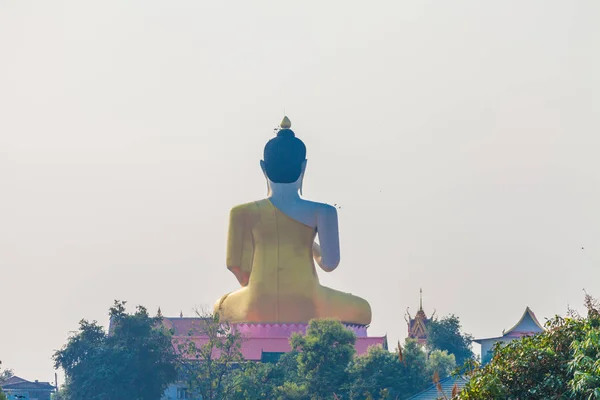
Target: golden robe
x,y
271,254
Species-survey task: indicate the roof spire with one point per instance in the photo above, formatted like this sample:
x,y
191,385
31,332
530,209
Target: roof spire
x,y
181,314
421,299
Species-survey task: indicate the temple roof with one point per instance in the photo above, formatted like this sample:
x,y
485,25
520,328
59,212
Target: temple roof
x,y
417,326
185,326
446,384
527,325
17,383
13,379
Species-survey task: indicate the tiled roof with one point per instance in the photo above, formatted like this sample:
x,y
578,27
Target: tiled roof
x,y
16,383
527,325
13,379
184,326
432,392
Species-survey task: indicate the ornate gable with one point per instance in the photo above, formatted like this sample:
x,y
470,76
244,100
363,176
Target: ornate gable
x,y
417,326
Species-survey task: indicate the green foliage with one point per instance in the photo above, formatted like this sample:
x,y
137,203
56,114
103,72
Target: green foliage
x,y
445,334
378,374
416,363
208,366
440,362
560,363
324,354
136,361
323,366
253,381
269,381
62,394
5,374
292,391
286,369
585,365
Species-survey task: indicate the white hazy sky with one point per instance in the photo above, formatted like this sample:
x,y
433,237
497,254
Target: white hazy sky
x,y
460,138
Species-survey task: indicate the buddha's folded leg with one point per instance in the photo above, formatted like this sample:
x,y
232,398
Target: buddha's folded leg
x,y
343,306
233,306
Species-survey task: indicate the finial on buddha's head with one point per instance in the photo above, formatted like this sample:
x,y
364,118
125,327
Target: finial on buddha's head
x,y
285,123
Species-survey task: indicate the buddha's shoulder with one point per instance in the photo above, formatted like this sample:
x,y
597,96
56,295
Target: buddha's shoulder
x,y
250,208
243,208
321,207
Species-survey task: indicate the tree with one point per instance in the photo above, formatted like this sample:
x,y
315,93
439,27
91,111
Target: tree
x,y
585,364
323,357
253,381
416,366
440,362
5,374
62,393
257,381
378,374
286,369
135,360
207,367
559,363
321,365
445,334
287,382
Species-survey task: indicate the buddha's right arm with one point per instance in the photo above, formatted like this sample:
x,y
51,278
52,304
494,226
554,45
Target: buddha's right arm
x,y
328,255
239,245
317,254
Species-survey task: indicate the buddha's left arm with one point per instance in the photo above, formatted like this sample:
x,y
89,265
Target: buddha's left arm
x,y
240,249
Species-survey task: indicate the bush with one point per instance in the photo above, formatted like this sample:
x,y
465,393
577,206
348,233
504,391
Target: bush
x,y
562,362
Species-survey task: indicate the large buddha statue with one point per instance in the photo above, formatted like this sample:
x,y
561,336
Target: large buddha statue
x,y
271,249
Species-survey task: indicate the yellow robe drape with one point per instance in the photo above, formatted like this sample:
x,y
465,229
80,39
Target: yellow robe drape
x,y
271,254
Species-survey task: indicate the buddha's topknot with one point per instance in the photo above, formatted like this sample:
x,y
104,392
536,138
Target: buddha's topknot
x,y
284,155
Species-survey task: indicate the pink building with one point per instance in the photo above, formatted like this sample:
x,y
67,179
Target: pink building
x,y
262,342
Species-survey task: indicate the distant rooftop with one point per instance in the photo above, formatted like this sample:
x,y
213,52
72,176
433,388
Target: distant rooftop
x,y
447,384
18,383
527,325
184,326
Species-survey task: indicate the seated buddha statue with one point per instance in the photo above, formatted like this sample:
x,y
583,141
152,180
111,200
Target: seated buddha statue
x,y
271,249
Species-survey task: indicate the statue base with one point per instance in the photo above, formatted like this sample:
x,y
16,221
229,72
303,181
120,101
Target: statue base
x,y
265,342
261,340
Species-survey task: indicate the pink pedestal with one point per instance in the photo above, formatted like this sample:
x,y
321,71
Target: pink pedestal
x,y
274,338
285,330
270,338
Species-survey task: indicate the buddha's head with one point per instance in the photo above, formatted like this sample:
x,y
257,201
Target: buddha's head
x,y
284,157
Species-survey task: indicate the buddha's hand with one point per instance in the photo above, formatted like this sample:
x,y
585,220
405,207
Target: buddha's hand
x,y
242,277
316,249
